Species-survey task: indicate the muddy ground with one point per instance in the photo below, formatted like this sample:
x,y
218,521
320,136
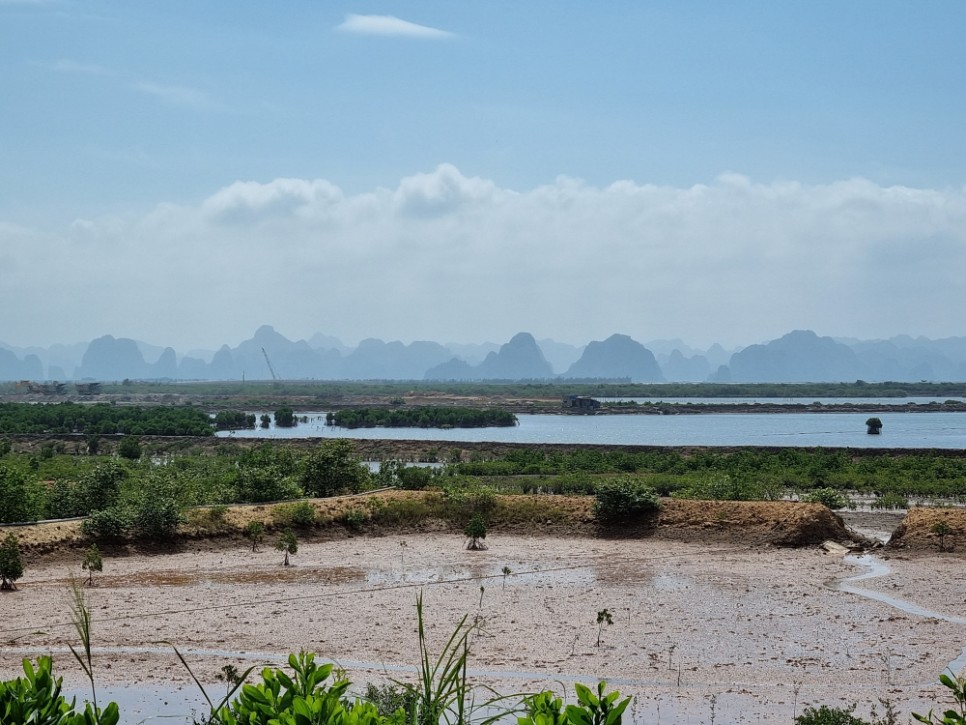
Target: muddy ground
x,y
762,629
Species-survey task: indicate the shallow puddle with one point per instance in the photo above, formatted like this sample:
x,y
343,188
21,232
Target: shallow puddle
x,y
286,575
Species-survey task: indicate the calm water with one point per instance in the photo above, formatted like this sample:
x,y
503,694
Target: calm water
x,y
788,401
900,430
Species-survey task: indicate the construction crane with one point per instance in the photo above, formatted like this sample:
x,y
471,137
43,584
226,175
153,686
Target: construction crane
x,y
270,368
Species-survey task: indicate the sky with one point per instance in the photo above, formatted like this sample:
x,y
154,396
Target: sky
x,y
184,172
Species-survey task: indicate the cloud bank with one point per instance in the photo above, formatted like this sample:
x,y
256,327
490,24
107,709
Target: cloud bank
x,y
453,257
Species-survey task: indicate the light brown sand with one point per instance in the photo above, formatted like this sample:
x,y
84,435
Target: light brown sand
x,y
762,630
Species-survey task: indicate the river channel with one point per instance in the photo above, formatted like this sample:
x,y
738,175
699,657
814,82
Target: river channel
x,y
900,430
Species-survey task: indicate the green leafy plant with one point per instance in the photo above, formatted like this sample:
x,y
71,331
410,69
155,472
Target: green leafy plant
x,y
287,543
952,716
591,709
300,698
506,572
36,699
92,562
11,562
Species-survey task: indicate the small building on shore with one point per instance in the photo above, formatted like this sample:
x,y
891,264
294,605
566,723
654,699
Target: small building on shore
x,y
580,404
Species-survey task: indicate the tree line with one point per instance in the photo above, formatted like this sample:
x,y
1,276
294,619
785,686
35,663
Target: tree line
x,y
103,419
421,417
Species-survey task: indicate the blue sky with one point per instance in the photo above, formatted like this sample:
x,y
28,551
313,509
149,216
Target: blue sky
x,y
459,170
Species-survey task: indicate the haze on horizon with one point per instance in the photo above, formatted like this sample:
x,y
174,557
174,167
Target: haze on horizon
x,y
183,173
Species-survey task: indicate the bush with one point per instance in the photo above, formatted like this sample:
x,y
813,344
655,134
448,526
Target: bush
x,y
11,561
260,484
624,500
130,448
21,497
826,715
475,531
157,515
285,418
111,524
333,468
294,514
414,478
391,699
827,497
354,518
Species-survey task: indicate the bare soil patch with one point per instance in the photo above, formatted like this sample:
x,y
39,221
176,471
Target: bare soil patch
x,y
917,531
782,523
748,624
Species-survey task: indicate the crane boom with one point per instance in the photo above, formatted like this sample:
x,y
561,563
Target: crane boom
x,y
270,368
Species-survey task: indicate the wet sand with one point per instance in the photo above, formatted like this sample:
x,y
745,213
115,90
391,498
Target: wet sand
x,y
764,631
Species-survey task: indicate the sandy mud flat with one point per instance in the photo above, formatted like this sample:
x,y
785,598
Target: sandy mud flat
x,y
761,632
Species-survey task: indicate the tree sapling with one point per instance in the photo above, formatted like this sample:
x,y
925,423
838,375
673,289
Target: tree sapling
x,y
288,543
254,532
603,617
92,562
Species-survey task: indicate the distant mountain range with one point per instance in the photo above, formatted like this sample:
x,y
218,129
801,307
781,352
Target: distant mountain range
x,y
798,357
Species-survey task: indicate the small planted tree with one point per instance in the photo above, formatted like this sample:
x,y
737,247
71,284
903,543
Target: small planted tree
x,y
255,532
942,529
475,531
603,617
11,562
287,543
873,426
506,573
92,562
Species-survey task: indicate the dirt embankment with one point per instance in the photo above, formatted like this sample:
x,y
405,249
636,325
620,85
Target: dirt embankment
x,y
931,529
413,512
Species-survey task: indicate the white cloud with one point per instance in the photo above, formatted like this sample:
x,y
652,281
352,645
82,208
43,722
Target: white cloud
x,y
247,200
449,256
176,95
65,65
389,25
